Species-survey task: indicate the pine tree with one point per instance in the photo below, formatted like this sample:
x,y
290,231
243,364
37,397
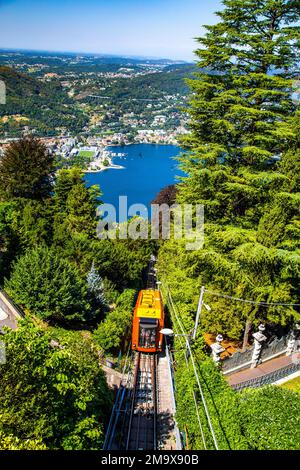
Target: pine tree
x,y
75,207
64,182
26,170
243,120
241,101
81,209
96,286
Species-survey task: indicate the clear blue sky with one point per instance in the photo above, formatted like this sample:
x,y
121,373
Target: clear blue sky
x,y
160,28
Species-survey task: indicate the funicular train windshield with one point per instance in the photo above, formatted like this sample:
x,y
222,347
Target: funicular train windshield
x,y
147,332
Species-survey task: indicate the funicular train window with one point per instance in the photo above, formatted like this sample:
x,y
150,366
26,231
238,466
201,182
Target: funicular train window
x,y
147,332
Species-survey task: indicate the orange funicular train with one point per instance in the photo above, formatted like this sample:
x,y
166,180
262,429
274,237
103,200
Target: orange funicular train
x,y
148,321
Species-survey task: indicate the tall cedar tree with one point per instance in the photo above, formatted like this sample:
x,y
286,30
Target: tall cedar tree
x,y
242,100
241,111
26,170
243,120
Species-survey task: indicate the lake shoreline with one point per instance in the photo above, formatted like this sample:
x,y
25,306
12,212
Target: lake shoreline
x,y
103,168
147,169
111,165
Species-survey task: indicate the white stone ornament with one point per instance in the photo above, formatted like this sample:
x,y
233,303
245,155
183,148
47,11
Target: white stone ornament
x,y
217,349
259,340
293,340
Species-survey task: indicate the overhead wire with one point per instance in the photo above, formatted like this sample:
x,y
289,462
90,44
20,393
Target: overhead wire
x,y
195,372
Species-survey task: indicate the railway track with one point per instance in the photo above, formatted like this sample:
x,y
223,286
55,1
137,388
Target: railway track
x,y
151,274
142,432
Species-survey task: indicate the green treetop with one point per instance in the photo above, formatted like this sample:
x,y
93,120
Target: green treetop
x,y
49,286
241,101
53,392
241,164
26,170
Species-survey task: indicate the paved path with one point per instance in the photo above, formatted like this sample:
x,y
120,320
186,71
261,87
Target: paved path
x,y
165,411
263,369
113,377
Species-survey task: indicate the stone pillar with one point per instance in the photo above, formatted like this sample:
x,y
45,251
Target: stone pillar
x,y
259,339
217,349
293,340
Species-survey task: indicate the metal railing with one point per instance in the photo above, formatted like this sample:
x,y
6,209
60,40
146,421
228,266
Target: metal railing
x,y
268,379
241,360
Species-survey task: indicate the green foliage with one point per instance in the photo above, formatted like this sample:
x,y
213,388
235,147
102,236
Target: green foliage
x,y
10,442
110,291
242,164
222,403
81,209
8,239
26,170
270,418
46,106
75,207
96,287
48,286
117,324
53,392
65,181
122,261
32,221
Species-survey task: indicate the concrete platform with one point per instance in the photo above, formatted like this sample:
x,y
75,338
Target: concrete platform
x,y
166,426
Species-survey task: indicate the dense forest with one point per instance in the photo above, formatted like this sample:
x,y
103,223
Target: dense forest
x,y
242,162
77,292
32,103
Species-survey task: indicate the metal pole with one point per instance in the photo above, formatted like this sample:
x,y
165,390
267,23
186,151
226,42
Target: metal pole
x,y
202,395
200,303
195,371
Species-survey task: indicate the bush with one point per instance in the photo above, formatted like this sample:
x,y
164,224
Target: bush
x,y
270,418
222,403
52,390
48,286
112,330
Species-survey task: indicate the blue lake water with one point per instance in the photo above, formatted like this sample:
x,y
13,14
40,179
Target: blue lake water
x,y
148,169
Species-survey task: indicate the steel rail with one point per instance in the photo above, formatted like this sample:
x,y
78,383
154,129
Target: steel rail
x,y
114,417
142,427
137,367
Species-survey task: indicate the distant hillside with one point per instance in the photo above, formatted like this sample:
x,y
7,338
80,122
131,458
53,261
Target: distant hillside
x,y
21,85
30,102
59,57
169,81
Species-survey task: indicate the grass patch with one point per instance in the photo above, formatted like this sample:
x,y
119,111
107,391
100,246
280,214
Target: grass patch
x,y
293,384
86,153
